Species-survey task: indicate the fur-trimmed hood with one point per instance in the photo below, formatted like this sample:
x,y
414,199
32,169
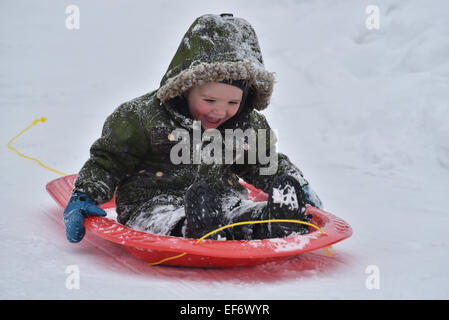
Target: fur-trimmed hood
x,y
214,48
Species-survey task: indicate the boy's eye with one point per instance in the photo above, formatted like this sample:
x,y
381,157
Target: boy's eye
x,y
212,101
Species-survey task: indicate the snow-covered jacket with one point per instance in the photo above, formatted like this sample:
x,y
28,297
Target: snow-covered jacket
x,y
131,159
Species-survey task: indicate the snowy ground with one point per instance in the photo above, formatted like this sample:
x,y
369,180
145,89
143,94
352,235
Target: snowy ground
x,y
364,113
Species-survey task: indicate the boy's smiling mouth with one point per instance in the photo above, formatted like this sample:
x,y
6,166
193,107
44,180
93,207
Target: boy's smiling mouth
x,y
213,120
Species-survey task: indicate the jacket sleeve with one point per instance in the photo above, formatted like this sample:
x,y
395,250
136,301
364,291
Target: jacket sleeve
x,y
251,173
118,151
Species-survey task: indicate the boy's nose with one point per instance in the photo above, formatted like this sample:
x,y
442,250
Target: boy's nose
x,y
218,113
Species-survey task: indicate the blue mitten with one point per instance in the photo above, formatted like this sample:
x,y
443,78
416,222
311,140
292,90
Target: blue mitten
x,y
79,207
311,197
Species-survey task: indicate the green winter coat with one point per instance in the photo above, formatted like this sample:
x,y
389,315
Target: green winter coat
x,y
131,159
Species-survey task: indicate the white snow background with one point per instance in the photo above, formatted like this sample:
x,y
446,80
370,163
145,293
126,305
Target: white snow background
x,y
364,113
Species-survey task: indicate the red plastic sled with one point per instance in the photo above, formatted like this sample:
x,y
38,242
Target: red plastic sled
x,y
208,253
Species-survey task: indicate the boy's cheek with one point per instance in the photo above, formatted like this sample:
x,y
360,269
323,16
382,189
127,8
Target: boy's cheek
x,y
199,110
234,111
231,112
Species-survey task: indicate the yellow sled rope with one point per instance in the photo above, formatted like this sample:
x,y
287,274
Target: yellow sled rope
x,y
43,119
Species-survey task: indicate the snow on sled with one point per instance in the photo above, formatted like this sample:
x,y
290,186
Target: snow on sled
x,y
207,253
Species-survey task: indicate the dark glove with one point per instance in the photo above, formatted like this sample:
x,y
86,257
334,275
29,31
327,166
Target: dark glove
x,y
79,207
311,197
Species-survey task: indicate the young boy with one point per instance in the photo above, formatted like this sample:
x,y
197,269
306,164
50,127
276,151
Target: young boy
x,y
217,77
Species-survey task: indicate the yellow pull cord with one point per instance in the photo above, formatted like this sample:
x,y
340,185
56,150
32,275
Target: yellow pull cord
x,y
43,119
257,222
326,249
167,259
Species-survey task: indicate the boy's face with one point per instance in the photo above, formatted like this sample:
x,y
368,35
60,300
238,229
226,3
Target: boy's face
x,y
213,103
